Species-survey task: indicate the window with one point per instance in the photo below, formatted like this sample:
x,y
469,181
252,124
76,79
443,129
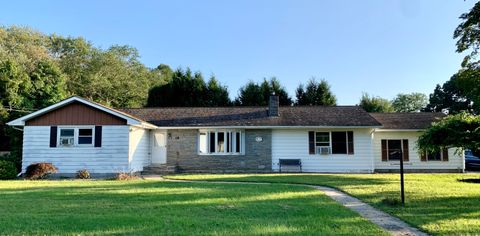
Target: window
x,y
85,136
340,142
394,150
202,141
70,137
220,142
322,139
67,137
434,156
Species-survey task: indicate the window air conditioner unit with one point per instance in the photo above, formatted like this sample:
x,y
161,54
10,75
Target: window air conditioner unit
x,y
323,150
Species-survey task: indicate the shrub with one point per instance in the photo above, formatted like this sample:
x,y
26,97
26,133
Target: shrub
x,y
14,157
83,174
7,170
40,170
125,176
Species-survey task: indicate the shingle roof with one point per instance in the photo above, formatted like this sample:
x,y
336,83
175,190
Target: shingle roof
x,y
418,120
254,116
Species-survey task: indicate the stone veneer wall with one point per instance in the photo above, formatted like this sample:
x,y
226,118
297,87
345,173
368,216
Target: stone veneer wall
x,y
182,152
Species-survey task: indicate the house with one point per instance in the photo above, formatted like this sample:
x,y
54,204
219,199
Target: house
x,y
79,134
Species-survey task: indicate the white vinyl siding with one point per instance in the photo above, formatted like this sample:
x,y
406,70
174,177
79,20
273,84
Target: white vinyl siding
x,y
294,144
455,162
139,149
112,157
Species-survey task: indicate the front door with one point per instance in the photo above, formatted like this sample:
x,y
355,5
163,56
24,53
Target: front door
x,y
159,147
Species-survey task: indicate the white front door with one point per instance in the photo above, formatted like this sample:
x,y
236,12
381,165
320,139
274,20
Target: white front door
x,y
159,147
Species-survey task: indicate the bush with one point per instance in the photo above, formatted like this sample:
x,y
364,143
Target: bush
x,y
83,174
7,170
15,158
40,170
125,176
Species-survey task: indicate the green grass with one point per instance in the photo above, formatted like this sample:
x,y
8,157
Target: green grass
x,y
65,207
436,203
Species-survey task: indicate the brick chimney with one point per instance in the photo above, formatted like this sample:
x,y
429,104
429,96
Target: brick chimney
x,y
273,104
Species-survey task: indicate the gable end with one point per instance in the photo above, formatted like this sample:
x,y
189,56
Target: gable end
x,y
76,113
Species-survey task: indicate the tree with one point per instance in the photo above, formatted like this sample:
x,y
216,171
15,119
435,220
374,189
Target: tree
x,y
461,130
253,94
412,102
375,104
468,32
468,38
315,93
448,97
250,95
216,94
188,89
162,74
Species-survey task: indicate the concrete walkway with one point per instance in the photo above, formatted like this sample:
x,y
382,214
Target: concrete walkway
x,y
389,223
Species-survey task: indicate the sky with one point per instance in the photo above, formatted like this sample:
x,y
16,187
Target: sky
x,y
383,47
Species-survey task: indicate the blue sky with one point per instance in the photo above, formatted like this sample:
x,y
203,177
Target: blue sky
x,y
377,46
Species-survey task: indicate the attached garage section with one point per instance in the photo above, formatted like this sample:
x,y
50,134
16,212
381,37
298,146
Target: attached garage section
x,y
77,134
387,143
295,144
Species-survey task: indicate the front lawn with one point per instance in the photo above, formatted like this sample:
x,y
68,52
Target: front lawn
x,y
436,203
66,207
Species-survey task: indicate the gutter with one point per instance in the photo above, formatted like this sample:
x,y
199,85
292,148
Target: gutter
x,y
269,127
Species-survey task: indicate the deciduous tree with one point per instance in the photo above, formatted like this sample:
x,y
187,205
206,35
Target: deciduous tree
x,y
468,39
375,104
450,98
461,130
413,102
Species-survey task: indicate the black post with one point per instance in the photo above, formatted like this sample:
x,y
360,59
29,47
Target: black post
x,y
402,189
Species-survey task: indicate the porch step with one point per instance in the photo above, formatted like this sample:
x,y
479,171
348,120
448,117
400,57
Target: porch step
x,y
158,170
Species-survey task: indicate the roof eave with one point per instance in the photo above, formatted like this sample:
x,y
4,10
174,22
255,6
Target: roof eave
x,y
398,130
21,121
267,127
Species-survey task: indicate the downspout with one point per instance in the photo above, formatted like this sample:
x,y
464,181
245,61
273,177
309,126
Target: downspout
x,y
372,158
13,127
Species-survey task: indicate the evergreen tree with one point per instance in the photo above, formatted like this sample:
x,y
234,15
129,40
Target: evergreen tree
x,y
315,93
253,94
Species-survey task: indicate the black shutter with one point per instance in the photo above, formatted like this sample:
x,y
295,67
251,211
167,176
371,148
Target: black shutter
x,y
445,154
405,150
311,142
53,136
384,150
98,136
350,142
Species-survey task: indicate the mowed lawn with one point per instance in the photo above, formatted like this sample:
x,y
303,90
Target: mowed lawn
x,y
147,207
440,204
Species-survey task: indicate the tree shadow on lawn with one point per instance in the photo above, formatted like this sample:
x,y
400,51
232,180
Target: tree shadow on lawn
x,y
330,180
470,180
151,207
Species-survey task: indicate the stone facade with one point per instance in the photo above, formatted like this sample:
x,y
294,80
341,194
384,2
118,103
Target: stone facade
x,y
182,152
